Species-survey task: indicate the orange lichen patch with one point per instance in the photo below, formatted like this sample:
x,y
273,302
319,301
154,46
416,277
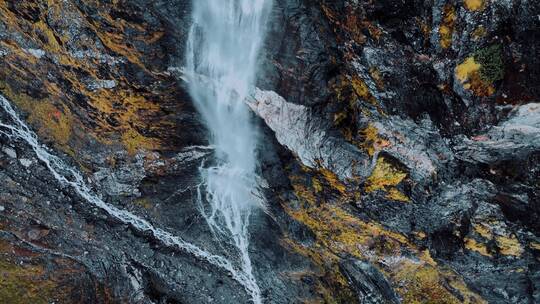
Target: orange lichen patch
x,y
329,13
57,121
350,24
474,5
338,233
341,227
424,27
374,30
446,29
474,245
115,42
129,110
48,37
39,32
371,141
112,33
468,73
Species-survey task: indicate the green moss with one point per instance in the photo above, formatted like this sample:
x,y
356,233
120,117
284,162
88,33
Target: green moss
x,y
385,174
143,202
23,284
491,61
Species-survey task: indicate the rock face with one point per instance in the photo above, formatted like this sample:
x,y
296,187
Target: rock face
x,y
400,153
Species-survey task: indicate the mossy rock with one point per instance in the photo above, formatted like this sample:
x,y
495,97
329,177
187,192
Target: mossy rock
x,y
491,61
24,284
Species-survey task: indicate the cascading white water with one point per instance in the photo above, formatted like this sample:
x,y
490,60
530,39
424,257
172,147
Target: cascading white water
x,y
69,176
222,51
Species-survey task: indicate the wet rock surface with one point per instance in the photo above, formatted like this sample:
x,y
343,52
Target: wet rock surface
x,y
400,150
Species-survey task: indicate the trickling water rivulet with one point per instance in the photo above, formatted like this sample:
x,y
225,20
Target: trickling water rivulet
x,y
222,51
69,176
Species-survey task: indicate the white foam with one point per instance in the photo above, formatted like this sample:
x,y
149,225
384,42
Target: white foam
x,y
221,56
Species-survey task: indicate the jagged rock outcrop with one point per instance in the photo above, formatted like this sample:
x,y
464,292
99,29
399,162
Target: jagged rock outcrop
x,y
309,137
515,138
370,284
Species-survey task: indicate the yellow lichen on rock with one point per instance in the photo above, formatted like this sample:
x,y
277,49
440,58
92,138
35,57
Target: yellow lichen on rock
x,y
338,233
386,176
474,245
332,287
143,202
57,122
24,284
377,77
53,120
362,90
506,242
478,33
131,113
466,69
133,141
333,180
73,76
396,195
483,230
474,5
371,141
509,245
535,246
468,73
446,29
316,185
422,284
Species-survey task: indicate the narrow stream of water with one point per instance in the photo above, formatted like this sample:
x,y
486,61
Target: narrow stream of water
x,y
67,175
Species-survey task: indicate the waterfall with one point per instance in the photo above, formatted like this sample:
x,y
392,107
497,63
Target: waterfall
x,y
69,176
221,57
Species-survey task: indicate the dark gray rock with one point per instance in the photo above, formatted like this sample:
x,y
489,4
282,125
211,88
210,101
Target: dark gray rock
x,y
370,285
